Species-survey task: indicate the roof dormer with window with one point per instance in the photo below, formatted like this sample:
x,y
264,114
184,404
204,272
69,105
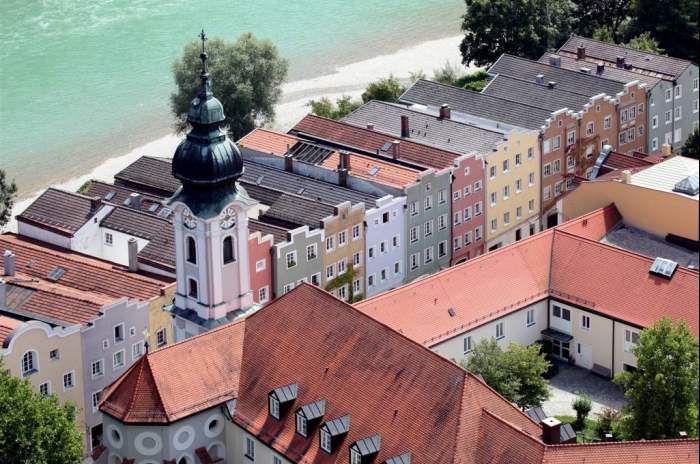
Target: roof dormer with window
x,y
365,450
308,416
280,399
332,433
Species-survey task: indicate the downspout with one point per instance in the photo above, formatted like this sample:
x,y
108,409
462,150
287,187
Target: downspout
x,y
673,114
612,369
540,140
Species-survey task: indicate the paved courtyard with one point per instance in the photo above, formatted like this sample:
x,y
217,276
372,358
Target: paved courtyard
x,y
573,381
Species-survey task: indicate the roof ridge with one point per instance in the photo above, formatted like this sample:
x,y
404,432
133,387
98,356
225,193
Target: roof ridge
x,y
520,79
570,71
194,337
147,363
64,291
514,427
623,443
610,44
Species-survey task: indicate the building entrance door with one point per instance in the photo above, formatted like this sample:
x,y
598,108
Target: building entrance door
x,y
584,355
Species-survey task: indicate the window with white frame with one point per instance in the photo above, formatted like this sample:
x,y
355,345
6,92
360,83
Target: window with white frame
x,y
556,144
468,344
547,146
640,108
325,439
530,317
415,260
607,122
442,223
668,94
45,388
356,259
556,166
492,172
457,218
330,243
291,259
530,153
622,138
569,162
695,84
494,224
96,397
68,380
356,287
290,286
53,355
413,234
250,448
632,112
97,368
468,213
468,237
457,243
30,363
118,359
506,192
677,113
415,207
506,218
456,195
466,171
383,246
395,240
428,228
518,159
631,340
468,189
518,185
109,239
383,274
570,138
494,197
547,170
301,424
477,185
370,280
677,91
355,456
428,202
442,249
667,117
478,208
260,265
316,279
342,266
695,105
330,272
519,212
397,267
531,205
505,165
478,233
547,193
442,197
654,144
343,292
263,294
428,255
356,232
585,322
342,238
677,134
500,330
558,188
311,252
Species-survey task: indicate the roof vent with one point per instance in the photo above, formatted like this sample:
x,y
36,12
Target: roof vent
x,y
9,263
539,79
153,208
56,274
663,267
164,213
363,450
281,398
451,312
551,84
689,186
620,61
585,70
555,60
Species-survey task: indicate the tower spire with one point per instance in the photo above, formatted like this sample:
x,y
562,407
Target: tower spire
x,y
205,91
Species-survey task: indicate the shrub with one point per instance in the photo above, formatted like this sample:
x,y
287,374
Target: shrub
x,y
582,405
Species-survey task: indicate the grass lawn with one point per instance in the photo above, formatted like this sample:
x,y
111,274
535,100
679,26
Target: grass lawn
x,y
588,432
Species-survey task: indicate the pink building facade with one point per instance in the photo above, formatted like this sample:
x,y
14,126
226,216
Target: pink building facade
x,y
260,265
468,215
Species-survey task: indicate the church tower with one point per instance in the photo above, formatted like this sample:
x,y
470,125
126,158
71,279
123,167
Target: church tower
x,y
210,220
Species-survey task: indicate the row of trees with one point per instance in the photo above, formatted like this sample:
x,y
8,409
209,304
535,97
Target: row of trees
x,y
662,391
531,27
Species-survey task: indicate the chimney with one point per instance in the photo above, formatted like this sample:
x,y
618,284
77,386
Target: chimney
x,y
551,431
620,63
370,126
135,200
581,52
539,79
133,248
445,111
396,149
9,263
551,84
404,127
666,149
683,435
626,176
288,162
343,167
95,204
600,67
585,70
608,437
555,60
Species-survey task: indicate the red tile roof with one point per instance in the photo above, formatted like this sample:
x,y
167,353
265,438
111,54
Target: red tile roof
x,y
371,141
555,263
268,141
638,452
7,326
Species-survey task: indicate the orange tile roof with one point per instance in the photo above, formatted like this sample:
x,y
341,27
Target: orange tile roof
x,y
7,326
555,263
638,452
268,141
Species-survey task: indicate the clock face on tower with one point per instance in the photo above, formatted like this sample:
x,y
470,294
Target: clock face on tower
x,y
188,219
227,218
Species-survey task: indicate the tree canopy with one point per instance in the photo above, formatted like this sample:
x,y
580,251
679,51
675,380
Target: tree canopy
x,y
246,77
8,191
388,90
691,149
663,390
673,23
518,27
342,107
516,373
35,428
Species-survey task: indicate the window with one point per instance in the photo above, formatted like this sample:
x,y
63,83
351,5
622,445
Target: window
x,y
547,193
276,460
356,260
494,224
556,166
442,249
530,153
631,134
53,355
342,266
428,202
506,218
651,100
558,188
370,280
622,139
677,91
342,238
547,170
456,195
356,231
494,197
413,234
607,122
468,238
467,344
316,279
518,185
557,142
414,208
291,258
96,397
442,222
397,267
229,255
468,213
161,338
250,448
631,340
695,84
137,350
383,246
569,162
68,380
105,343
505,165
477,185
585,322
118,333
428,255
263,294
132,331
325,441
478,234
506,192
654,144
467,191
457,243
427,228
531,205
109,239
531,179
590,128
98,368
301,424
414,261
457,218
530,317
45,388
667,117
355,456
330,272
118,359
677,134
518,159
428,187
382,274
193,292
695,105
561,313
640,108
500,332
311,252
678,113
632,112
29,363
330,243
668,95
570,138
356,286
466,171
519,212
260,265
273,405
395,240
441,197
492,172
477,208
191,250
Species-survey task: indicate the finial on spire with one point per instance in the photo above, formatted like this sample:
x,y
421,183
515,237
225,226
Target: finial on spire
x,y
206,90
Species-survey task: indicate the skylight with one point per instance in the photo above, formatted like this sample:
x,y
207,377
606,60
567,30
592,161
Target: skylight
x,y
109,195
153,208
663,267
373,171
386,146
56,274
689,185
164,213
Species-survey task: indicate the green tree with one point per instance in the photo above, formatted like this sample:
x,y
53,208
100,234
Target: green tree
x,y
8,191
612,15
388,90
475,81
338,110
663,390
646,43
582,405
448,74
516,374
603,34
35,428
691,148
673,23
246,77
518,27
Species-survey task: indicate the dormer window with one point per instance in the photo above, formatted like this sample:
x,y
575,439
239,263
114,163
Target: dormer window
x,y
401,459
332,432
280,399
364,450
308,415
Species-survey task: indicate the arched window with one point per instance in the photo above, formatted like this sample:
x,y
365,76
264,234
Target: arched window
x,y
192,291
191,250
229,252
29,363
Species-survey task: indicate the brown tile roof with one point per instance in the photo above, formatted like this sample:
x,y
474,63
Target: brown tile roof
x,y
82,273
118,194
62,212
279,234
616,161
7,326
149,174
369,141
554,263
638,452
268,141
609,72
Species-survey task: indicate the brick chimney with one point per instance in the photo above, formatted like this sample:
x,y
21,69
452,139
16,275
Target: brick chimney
x,y
133,248
600,68
580,52
555,60
9,263
370,126
95,204
626,176
551,431
445,111
405,131
666,149
620,62
343,167
288,162
135,200
396,149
